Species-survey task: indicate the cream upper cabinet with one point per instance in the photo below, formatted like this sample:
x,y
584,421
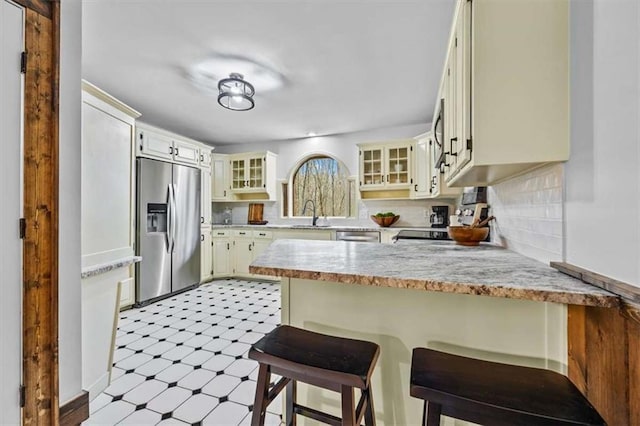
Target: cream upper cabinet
x,y
505,85
252,176
205,157
219,177
387,166
159,144
422,166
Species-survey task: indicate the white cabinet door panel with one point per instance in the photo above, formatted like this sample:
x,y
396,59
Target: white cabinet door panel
x,y
184,152
155,145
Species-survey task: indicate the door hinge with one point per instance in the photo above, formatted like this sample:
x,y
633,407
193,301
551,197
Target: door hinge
x,y
23,63
23,228
22,396
469,144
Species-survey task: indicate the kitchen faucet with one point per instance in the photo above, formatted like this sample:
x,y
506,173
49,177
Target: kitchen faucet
x,y
314,217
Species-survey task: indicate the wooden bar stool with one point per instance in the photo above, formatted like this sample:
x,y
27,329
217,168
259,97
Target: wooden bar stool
x,y
329,362
495,394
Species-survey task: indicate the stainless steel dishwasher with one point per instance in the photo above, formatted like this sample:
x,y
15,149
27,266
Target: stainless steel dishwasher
x,y
358,236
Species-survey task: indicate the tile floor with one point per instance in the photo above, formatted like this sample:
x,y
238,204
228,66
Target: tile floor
x,y
183,360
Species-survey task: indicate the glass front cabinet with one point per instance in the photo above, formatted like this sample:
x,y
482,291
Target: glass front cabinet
x,y
386,166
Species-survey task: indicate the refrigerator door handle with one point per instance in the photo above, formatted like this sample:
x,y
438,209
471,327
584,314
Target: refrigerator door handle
x,y
167,235
174,209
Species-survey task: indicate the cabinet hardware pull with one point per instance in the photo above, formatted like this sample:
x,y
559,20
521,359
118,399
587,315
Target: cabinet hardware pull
x,y
201,219
225,193
177,151
201,237
415,187
171,150
249,247
262,234
201,157
227,246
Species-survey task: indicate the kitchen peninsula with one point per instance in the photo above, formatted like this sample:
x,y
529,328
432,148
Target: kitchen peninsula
x,y
431,295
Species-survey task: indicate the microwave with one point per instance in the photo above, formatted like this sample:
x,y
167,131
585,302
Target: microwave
x,y
438,136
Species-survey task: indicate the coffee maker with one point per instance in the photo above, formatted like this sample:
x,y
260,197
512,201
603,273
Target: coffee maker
x,y
440,217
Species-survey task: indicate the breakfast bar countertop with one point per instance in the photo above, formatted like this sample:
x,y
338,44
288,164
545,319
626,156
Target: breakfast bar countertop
x,y
487,269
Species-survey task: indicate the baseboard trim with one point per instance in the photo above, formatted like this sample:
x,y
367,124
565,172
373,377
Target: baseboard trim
x,y
75,411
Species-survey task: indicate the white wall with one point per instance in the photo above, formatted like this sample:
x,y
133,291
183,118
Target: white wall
x,y
602,211
69,201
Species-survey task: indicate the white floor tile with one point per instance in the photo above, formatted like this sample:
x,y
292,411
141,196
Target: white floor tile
x,y
227,413
198,327
163,333
144,392
134,361
221,385
127,338
100,401
250,337
169,400
246,325
174,373
196,408
153,367
120,354
214,331
244,393
159,348
198,341
141,417
133,326
172,422
234,334
182,324
124,384
197,358
196,379
180,337
116,373
218,363
177,353
142,343
111,413
217,345
236,349
241,368
229,322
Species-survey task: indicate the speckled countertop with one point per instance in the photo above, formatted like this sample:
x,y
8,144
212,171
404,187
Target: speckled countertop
x,y
92,271
436,266
327,228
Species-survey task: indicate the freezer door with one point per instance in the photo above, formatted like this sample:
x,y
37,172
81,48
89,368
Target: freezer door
x,y
153,274
186,250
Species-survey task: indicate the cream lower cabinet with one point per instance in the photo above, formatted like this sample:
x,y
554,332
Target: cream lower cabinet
x,y
221,255
247,245
206,255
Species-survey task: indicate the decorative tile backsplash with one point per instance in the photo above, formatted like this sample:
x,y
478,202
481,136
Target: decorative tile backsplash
x,y
529,212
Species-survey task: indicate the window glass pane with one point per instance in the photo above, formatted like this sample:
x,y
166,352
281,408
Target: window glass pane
x,y
324,181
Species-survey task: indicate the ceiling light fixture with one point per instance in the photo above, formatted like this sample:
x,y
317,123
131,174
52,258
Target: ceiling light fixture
x,y
235,93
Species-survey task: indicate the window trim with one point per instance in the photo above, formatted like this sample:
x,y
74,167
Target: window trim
x,y
289,182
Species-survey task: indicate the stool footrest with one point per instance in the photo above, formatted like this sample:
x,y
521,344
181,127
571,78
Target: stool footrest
x,y
276,389
317,415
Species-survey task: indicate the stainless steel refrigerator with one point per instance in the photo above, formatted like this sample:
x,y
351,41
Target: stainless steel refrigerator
x,y
167,229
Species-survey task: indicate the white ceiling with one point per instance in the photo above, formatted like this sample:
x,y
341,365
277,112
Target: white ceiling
x,y
348,65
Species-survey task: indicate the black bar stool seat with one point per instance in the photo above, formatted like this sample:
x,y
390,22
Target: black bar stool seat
x,y
495,394
329,362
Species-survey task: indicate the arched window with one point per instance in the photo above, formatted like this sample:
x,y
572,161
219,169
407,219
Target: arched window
x,y
325,181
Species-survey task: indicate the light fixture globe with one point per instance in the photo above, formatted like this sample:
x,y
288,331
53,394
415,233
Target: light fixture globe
x,y
235,93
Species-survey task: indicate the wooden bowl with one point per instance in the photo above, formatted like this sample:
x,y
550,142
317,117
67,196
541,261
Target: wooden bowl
x,y
386,220
466,236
